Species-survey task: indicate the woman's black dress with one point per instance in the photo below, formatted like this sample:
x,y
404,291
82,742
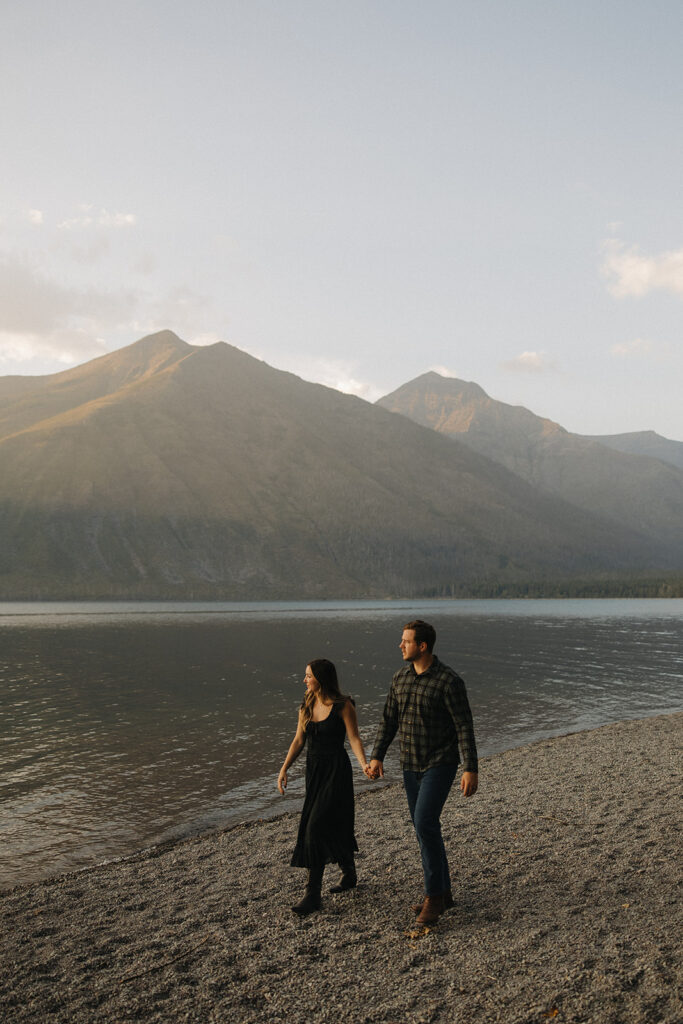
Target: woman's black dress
x,y
326,826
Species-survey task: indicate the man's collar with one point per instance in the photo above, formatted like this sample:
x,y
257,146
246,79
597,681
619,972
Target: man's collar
x,y
432,665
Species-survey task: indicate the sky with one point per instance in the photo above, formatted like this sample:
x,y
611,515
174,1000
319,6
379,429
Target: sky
x,y
356,192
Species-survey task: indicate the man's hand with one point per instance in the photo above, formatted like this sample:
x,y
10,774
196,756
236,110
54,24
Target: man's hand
x,y
375,770
469,783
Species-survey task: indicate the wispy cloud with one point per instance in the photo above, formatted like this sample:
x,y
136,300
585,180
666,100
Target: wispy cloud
x,y
342,378
203,339
628,349
629,272
443,371
85,249
30,302
40,318
65,346
89,217
530,362
333,373
35,217
185,311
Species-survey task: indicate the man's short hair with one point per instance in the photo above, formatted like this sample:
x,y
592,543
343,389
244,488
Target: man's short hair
x,y
424,633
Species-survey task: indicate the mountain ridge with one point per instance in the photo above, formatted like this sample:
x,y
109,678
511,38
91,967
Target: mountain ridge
x,y
170,469
68,389
452,406
629,488
643,442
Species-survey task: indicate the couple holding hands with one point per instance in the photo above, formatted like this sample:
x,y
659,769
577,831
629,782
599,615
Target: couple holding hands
x,y
427,705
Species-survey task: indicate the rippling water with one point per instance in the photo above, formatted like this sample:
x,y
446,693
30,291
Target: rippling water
x,y
124,725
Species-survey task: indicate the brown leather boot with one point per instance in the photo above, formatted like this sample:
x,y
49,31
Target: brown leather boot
x,y
432,909
448,903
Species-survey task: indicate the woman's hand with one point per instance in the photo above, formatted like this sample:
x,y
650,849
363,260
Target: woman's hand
x,y
295,748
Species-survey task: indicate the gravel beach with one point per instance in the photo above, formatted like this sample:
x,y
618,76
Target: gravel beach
x,y
566,870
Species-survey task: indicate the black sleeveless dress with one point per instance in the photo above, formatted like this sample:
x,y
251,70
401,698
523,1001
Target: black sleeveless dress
x,y
326,827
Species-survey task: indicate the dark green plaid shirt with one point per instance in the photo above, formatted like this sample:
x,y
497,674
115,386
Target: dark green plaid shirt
x,y
432,715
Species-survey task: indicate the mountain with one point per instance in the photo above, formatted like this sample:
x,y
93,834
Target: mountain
x,y
632,490
26,401
643,442
165,469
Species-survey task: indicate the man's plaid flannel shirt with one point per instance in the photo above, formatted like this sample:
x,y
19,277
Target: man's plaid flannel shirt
x,y
432,715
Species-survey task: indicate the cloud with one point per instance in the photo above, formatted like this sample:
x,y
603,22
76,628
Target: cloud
x,y
41,319
35,216
91,250
90,217
530,362
332,373
350,385
206,338
637,347
145,264
181,309
30,302
62,345
628,272
443,371
87,239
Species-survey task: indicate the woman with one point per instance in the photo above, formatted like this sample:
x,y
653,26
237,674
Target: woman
x,y
326,718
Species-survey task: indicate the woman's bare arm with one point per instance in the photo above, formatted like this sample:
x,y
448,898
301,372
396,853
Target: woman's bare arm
x,y
295,748
355,742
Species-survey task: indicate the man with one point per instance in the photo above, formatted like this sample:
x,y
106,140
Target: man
x,y
428,706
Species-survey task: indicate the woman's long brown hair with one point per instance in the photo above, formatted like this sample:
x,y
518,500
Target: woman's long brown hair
x,y
326,675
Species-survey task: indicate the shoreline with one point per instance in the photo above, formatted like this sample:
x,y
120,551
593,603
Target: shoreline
x,y
565,874
199,831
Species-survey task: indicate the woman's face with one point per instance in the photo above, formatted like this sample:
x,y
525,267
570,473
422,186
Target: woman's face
x,y
312,684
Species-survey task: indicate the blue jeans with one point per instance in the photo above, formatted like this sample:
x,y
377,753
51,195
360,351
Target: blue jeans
x,y
427,793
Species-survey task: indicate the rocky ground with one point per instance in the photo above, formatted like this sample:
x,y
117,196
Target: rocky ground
x,y
566,868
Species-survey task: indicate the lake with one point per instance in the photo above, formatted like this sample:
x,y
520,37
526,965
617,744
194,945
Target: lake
x,y
127,724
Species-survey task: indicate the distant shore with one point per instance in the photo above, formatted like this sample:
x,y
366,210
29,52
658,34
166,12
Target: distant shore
x,y
567,890
653,584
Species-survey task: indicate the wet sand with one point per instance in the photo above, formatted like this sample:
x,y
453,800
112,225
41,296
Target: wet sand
x,y
566,872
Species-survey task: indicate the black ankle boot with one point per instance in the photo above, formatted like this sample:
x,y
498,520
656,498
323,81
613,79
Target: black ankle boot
x,y
311,900
308,904
348,879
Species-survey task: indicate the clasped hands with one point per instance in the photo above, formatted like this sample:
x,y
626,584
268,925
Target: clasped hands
x,y
469,782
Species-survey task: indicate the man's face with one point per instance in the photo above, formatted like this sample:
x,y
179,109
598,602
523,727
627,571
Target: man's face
x,y
409,649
